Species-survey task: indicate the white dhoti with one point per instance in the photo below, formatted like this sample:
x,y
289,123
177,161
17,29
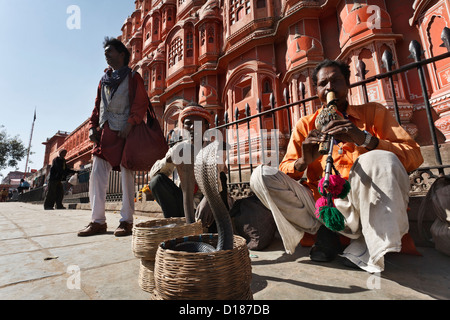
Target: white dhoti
x,y
375,210
98,184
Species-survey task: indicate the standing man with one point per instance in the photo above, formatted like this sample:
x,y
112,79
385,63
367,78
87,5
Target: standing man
x,y
121,103
58,173
372,151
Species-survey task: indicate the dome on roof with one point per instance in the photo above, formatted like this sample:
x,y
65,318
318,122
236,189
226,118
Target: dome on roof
x,y
303,47
364,18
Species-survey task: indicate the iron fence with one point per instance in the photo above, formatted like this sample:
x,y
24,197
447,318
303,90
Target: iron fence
x,y
421,179
79,193
113,191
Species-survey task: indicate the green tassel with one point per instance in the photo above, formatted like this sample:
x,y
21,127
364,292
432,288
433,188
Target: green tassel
x,y
332,218
345,190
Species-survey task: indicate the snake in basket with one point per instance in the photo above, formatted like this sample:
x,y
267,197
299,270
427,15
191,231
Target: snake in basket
x,y
206,173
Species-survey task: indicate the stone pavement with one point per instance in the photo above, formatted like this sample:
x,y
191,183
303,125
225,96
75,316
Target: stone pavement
x,y
41,258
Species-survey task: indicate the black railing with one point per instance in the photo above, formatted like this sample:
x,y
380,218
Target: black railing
x,y
283,114
416,53
114,190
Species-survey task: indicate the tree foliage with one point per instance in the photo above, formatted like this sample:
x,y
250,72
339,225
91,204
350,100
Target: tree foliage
x,y
12,150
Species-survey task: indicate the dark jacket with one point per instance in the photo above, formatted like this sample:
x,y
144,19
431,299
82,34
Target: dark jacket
x,y
59,170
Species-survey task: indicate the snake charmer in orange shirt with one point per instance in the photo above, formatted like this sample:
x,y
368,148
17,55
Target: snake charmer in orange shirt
x,y
372,117
373,152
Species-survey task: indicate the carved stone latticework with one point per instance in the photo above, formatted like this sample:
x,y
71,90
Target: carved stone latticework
x,y
421,181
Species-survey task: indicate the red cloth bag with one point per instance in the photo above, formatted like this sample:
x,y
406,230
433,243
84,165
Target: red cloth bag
x,y
145,144
110,147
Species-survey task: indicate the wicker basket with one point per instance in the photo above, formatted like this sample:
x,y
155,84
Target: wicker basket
x,y
146,238
148,235
221,275
146,275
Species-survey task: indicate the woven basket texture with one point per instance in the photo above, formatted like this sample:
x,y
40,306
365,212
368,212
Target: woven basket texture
x,y
148,235
146,275
221,275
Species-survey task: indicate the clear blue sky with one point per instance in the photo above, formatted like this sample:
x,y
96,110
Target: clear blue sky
x,y
47,66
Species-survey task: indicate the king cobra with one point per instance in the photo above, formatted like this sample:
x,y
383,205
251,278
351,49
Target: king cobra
x,y
205,171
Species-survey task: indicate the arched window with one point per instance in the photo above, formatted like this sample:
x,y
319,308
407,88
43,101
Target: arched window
x,y
189,44
210,35
434,30
156,26
146,79
267,86
202,35
243,90
175,51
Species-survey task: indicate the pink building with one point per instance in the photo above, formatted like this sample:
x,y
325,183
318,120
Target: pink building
x,y
226,54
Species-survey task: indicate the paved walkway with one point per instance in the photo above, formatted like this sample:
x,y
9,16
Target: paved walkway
x,y
41,257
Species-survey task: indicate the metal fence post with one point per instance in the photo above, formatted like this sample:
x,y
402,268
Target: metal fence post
x,y
274,120
388,63
301,87
416,53
236,117
247,114
445,37
286,101
261,136
361,67
225,120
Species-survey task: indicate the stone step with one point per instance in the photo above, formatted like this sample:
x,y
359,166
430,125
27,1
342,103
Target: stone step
x,y
429,156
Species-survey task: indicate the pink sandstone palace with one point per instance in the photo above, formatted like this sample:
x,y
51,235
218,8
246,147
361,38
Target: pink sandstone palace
x,y
227,54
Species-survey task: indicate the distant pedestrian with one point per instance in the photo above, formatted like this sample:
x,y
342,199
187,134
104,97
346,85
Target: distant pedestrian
x,y
121,103
4,195
58,173
24,185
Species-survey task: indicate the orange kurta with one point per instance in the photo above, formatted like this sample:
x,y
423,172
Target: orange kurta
x,y
372,117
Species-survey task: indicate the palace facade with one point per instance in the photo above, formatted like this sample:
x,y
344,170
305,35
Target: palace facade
x,y
227,54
